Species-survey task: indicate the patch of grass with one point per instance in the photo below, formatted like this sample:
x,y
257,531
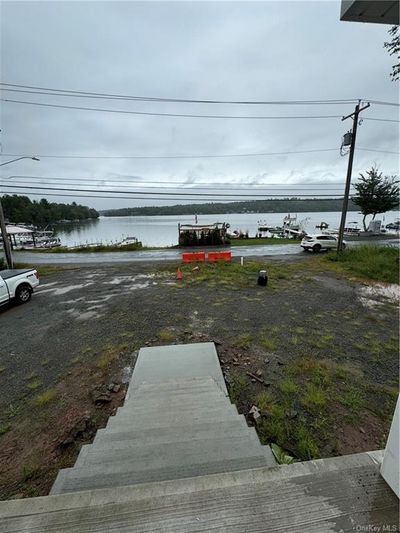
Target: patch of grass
x,y
238,386
45,361
166,335
111,353
267,343
29,471
76,359
288,386
31,375
45,398
359,347
35,384
2,369
264,401
353,398
379,263
306,445
5,428
243,341
294,340
314,397
274,427
299,330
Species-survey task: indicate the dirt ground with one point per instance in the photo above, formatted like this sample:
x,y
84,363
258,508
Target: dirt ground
x,y
315,351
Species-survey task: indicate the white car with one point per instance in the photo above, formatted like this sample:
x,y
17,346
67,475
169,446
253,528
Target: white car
x,y
18,284
319,242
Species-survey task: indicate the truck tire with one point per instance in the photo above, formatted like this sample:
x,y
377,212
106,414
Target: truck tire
x,y
23,294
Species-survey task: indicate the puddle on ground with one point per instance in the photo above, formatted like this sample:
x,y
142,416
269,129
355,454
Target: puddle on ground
x,y
85,315
371,295
63,290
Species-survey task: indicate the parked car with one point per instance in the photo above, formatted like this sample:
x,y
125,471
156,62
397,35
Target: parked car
x,y
17,284
319,242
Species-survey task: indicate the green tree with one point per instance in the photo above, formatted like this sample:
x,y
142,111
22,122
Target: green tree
x,y
393,47
376,194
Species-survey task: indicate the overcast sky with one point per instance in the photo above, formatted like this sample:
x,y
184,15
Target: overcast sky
x,y
195,50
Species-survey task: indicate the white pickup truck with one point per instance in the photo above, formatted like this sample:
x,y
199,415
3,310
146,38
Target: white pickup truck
x,y
18,284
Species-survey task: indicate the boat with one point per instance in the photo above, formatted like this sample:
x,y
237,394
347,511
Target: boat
x,y
352,229
127,241
394,225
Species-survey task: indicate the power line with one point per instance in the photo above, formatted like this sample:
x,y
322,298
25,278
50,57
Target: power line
x,y
61,92
191,194
84,182
141,183
380,119
152,199
380,102
181,115
179,156
194,156
185,115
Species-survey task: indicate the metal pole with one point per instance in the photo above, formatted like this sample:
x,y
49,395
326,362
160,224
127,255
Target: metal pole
x,y
349,171
6,242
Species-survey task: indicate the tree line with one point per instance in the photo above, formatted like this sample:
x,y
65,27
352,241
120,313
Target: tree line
x,y
291,205
21,209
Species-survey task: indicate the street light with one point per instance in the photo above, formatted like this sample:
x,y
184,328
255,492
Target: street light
x,y
6,242
19,158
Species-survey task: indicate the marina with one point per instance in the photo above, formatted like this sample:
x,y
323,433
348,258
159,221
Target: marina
x,y
163,231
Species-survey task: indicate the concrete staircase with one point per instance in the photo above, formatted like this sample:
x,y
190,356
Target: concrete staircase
x,y
170,430
178,458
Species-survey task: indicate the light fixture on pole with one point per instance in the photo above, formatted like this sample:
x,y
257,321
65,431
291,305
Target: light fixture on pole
x,y
6,242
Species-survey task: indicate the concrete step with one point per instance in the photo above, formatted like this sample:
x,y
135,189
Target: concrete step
x,y
173,434
173,453
150,418
163,405
119,474
315,497
178,363
176,384
175,395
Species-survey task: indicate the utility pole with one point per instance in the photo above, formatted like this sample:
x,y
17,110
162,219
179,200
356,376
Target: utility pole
x,y
6,242
355,115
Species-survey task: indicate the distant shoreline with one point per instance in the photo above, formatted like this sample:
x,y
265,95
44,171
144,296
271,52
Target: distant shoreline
x,y
294,205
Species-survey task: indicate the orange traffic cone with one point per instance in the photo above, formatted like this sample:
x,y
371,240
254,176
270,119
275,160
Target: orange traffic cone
x,y
179,274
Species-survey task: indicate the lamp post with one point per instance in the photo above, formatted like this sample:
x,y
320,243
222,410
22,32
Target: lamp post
x,y
6,242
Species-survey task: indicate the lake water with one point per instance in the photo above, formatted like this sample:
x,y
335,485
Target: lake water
x,y
163,230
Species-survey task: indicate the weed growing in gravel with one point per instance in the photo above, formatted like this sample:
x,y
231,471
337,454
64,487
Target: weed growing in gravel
x,y
165,335
307,446
267,343
273,428
264,401
45,361
238,385
314,398
2,368
29,471
5,429
243,341
288,386
33,385
32,375
353,398
45,398
110,355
